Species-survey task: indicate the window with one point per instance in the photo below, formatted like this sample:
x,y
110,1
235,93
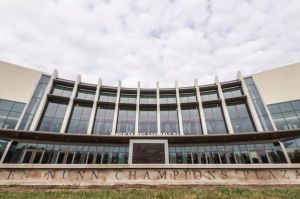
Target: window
x,y
104,121
168,98
149,98
3,144
258,105
128,98
188,97
126,121
79,119
293,150
191,121
34,103
169,121
108,96
147,121
214,119
225,154
53,117
240,118
286,115
10,113
62,90
67,154
232,92
85,94
209,95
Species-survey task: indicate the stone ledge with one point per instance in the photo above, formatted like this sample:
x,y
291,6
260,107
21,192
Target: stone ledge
x,y
149,166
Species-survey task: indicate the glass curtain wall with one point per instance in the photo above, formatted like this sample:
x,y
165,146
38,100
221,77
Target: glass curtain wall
x,y
286,115
34,103
10,113
79,119
227,154
104,121
62,90
187,96
53,116
126,121
214,119
148,121
108,96
169,121
209,95
167,98
258,104
128,98
293,150
191,120
148,98
86,94
240,117
232,92
32,153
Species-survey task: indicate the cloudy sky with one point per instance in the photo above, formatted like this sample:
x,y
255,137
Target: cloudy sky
x,y
150,40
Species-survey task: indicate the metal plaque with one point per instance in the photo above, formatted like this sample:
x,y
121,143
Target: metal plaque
x,y
151,153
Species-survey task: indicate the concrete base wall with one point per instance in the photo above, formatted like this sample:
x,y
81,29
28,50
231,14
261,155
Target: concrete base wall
x,y
93,175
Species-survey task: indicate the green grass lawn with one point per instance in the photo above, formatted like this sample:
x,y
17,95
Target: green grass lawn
x,y
151,193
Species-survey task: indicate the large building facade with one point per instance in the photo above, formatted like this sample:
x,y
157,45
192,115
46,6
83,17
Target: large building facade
x,y
247,121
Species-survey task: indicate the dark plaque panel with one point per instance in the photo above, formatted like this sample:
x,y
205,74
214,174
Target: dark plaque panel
x,y
144,153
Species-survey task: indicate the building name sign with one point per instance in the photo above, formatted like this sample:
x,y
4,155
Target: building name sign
x,y
147,176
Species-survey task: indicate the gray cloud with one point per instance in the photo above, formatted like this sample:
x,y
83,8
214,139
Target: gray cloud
x,y
150,40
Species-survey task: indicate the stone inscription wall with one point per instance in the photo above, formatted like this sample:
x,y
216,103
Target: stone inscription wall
x,y
148,176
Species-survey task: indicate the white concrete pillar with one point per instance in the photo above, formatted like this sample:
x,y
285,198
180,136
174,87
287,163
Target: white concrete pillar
x,y
70,106
137,112
250,103
42,104
224,106
158,109
286,155
201,111
114,127
179,109
94,109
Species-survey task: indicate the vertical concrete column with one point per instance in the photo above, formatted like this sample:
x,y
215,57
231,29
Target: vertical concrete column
x,y
42,105
224,106
5,151
137,111
94,109
286,155
201,111
250,103
70,106
158,109
179,109
114,127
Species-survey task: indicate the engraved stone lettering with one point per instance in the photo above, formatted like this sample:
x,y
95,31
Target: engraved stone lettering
x,y
162,175
224,174
132,174
176,173
197,174
94,174
146,175
117,175
211,174
80,174
50,174
11,175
